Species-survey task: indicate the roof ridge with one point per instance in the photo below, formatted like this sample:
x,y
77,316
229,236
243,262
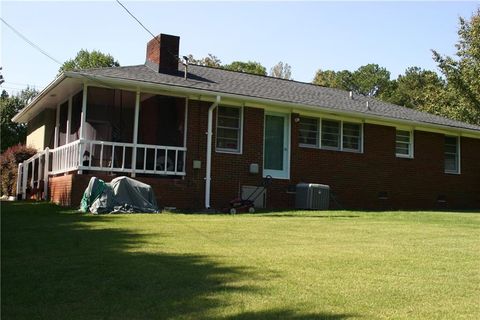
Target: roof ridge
x,y
267,76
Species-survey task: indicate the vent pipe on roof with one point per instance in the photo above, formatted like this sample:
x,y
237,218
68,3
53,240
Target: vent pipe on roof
x,y
351,95
368,105
185,64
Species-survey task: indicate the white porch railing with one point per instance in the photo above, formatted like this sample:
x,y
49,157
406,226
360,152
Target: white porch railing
x,y
32,172
104,156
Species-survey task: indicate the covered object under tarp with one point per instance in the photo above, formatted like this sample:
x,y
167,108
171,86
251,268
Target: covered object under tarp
x,y
121,195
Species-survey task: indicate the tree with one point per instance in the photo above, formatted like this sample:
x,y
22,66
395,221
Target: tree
x,y
332,79
417,89
247,67
282,71
208,61
463,72
13,133
370,80
89,60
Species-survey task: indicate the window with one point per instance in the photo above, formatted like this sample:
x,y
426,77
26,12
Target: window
x,y
403,144
229,129
308,131
351,136
452,155
330,134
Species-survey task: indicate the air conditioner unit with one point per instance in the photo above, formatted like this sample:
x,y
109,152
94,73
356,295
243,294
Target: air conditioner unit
x,y
312,196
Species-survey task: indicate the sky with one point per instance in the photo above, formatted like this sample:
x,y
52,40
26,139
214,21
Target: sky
x,y
306,35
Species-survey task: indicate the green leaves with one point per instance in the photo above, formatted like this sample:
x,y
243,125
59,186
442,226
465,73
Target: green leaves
x,y
457,96
247,67
369,80
13,133
89,60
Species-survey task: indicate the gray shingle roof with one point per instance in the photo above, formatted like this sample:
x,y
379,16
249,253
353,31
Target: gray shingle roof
x,y
263,87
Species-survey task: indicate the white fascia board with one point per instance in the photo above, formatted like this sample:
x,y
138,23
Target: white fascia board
x,y
19,116
209,95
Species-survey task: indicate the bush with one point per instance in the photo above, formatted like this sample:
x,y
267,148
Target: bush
x,y
9,161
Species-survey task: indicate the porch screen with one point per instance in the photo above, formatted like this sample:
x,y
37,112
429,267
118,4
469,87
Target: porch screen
x,y
110,115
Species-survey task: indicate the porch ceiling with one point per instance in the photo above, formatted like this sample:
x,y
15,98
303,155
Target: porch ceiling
x,y
56,92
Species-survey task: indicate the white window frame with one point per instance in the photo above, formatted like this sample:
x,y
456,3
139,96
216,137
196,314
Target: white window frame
x,y
340,147
239,150
319,129
458,156
360,138
340,135
411,147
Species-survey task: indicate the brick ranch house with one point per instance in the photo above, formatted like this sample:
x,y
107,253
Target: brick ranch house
x,y
199,135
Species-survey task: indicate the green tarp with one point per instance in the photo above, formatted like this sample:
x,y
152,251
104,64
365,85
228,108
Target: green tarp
x,y
121,195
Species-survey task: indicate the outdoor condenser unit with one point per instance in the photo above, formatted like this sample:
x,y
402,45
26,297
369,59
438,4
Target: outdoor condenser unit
x,y
312,196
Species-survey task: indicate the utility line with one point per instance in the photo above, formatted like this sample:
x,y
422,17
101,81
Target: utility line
x,y
30,42
131,14
46,54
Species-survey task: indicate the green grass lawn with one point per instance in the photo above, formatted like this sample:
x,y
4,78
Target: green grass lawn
x,y
58,264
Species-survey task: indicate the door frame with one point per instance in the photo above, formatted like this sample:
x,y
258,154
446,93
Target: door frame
x,y
277,174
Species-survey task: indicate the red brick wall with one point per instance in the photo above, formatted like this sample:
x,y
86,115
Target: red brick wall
x,y
356,179
60,190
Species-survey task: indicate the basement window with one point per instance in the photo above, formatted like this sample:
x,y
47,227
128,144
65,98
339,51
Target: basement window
x,y
229,129
404,144
452,155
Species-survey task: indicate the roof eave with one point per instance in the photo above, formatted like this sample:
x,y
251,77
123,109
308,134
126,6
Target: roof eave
x,y
19,117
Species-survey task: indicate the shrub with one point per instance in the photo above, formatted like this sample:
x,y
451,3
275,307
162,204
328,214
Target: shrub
x,y
9,161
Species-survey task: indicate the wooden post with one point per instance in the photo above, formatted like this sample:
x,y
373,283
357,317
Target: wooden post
x,y
45,174
19,179
57,127
135,133
185,132
69,120
25,179
83,116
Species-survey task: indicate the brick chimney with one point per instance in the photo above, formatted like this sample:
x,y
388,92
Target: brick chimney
x,y
162,53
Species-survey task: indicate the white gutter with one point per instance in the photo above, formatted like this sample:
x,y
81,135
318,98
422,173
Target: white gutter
x,y
208,177
205,92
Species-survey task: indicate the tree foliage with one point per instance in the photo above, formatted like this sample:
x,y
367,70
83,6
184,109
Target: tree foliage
x,y
9,161
208,61
89,60
463,71
417,89
13,133
281,70
369,80
247,67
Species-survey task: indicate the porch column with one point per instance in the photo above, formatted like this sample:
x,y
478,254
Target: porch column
x,y
32,181
69,119
24,180
45,174
83,116
135,133
185,131
57,126
19,179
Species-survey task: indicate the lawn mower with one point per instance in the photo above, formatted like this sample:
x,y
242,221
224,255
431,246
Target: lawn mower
x,y
247,205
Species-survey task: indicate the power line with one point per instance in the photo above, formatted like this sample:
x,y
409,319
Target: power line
x,y
46,54
30,42
131,14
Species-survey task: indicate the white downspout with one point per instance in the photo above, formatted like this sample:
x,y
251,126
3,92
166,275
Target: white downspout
x,y
208,177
